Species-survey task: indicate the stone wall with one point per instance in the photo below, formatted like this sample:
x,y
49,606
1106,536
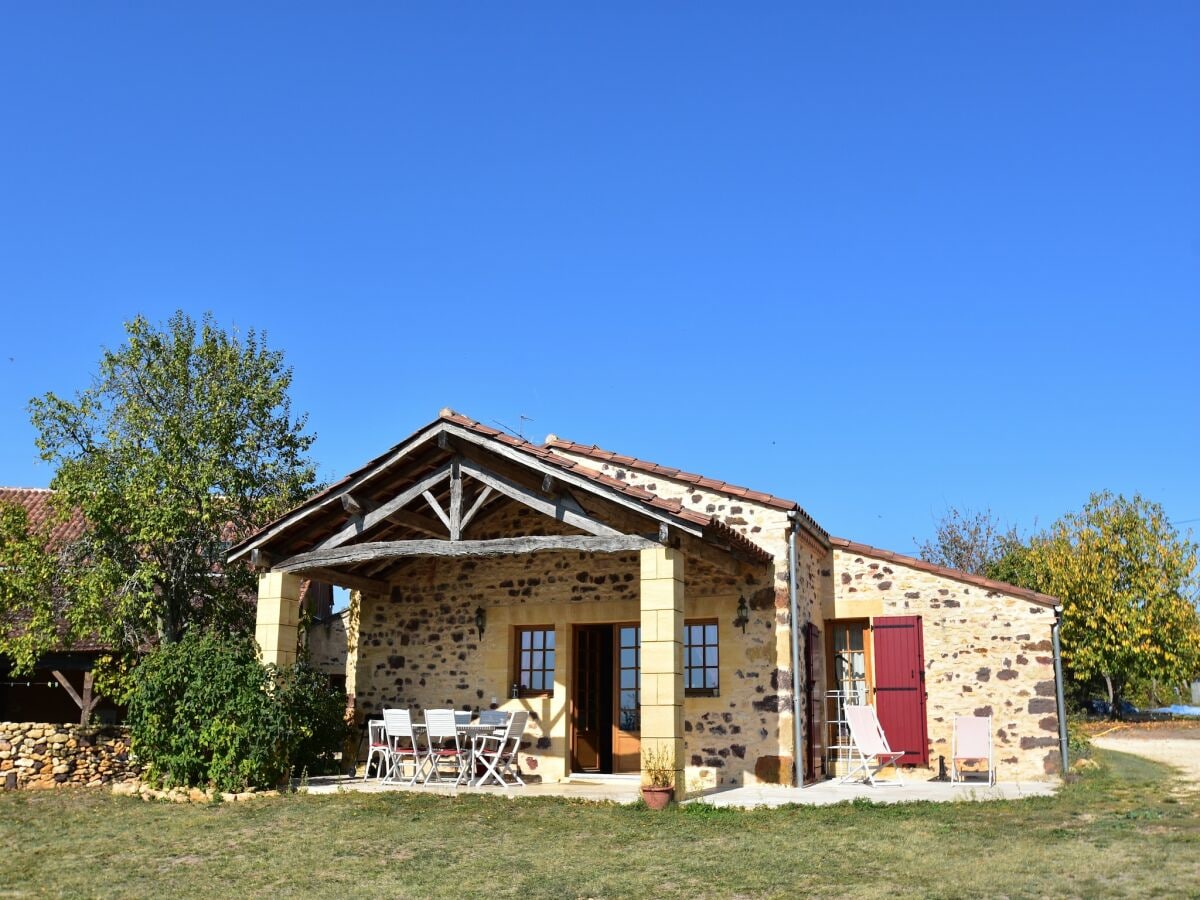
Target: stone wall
x,y
986,653
36,755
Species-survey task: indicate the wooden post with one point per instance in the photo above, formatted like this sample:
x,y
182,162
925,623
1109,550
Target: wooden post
x,y
87,702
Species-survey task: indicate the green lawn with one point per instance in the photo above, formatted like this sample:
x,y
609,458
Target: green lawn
x,y
1117,832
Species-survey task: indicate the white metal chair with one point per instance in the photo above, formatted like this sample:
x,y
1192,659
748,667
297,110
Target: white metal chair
x,y
441,733
869,750
377,746
972,743
402,744
497,717
462,717
498,751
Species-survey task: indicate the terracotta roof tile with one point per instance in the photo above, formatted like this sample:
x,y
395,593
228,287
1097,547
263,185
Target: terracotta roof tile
x,y
38,506
954,574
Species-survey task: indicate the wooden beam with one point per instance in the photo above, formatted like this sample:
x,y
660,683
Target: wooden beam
x,y
380,550
417,522
89,700
437,508
321,502
373,518
475,507
521,494
361,506
465,438
456,497
62,679
343,579
260,560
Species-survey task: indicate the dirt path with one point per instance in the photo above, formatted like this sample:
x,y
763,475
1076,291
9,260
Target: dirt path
x,y
1180,749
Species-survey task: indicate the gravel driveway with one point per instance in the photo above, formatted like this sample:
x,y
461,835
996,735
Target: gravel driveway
x,y
1175,747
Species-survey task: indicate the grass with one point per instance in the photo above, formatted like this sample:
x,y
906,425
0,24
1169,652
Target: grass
x,y
1117,831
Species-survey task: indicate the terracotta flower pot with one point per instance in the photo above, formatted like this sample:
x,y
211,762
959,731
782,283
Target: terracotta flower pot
x,y
658,797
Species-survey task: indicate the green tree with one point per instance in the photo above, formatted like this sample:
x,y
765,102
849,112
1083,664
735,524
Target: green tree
x,y
184,442
33,605
969,541
1126,578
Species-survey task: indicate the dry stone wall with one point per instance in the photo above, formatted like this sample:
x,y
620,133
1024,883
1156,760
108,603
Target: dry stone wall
x,y
37,755
986,653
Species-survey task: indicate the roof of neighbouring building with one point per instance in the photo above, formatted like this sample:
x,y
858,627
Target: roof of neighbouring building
x,y
42,514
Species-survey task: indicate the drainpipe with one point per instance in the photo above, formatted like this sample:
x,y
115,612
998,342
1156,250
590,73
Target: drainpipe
x,y
1058,688
794,610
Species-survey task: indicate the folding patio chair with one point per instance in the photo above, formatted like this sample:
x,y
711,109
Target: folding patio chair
x,y
869,750
441,732
377,744
972,743
401,744
498,751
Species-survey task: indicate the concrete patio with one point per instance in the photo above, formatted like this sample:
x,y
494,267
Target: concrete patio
x,y
626,789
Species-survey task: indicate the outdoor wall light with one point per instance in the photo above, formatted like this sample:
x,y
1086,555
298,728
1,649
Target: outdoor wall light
x,y
743,614
480,619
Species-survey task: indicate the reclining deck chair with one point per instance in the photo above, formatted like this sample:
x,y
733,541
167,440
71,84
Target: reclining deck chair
x,y
869,750
972,743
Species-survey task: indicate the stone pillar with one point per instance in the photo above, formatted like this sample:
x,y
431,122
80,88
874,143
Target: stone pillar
x,y
662,591
277,625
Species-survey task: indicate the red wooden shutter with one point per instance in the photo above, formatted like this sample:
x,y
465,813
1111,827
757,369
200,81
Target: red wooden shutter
x,y
900,686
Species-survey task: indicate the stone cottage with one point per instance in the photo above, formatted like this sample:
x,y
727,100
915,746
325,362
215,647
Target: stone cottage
x,y
629,605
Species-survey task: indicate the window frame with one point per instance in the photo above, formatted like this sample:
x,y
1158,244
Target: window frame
x,y
547,673
688,624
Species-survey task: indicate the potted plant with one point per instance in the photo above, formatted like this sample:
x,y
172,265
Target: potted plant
x,y
658,776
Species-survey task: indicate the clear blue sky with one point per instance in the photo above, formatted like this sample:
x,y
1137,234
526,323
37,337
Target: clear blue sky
x,y
879,258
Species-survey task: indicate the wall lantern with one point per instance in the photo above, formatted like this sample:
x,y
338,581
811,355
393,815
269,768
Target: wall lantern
x,y
743,614
480,619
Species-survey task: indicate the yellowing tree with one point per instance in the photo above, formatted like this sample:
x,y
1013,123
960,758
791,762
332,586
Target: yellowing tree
x,y
1127,580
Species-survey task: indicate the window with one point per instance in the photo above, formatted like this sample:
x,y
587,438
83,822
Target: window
x,y
850,661
629,704
535,660
700,667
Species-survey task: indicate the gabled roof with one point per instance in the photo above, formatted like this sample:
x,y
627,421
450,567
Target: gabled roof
x,y
554,442
42,515
420,450
954,574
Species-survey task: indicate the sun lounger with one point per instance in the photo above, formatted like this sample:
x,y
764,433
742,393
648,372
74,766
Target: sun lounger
x,y
869,750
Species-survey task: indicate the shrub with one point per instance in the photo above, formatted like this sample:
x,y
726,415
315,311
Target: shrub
x,y
206,711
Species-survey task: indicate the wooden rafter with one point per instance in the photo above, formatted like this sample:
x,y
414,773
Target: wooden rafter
x,y
87,702
556,509
479,503
373,518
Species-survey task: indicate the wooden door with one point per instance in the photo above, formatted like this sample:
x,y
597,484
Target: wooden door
x,y
627,721
589,707
900,686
